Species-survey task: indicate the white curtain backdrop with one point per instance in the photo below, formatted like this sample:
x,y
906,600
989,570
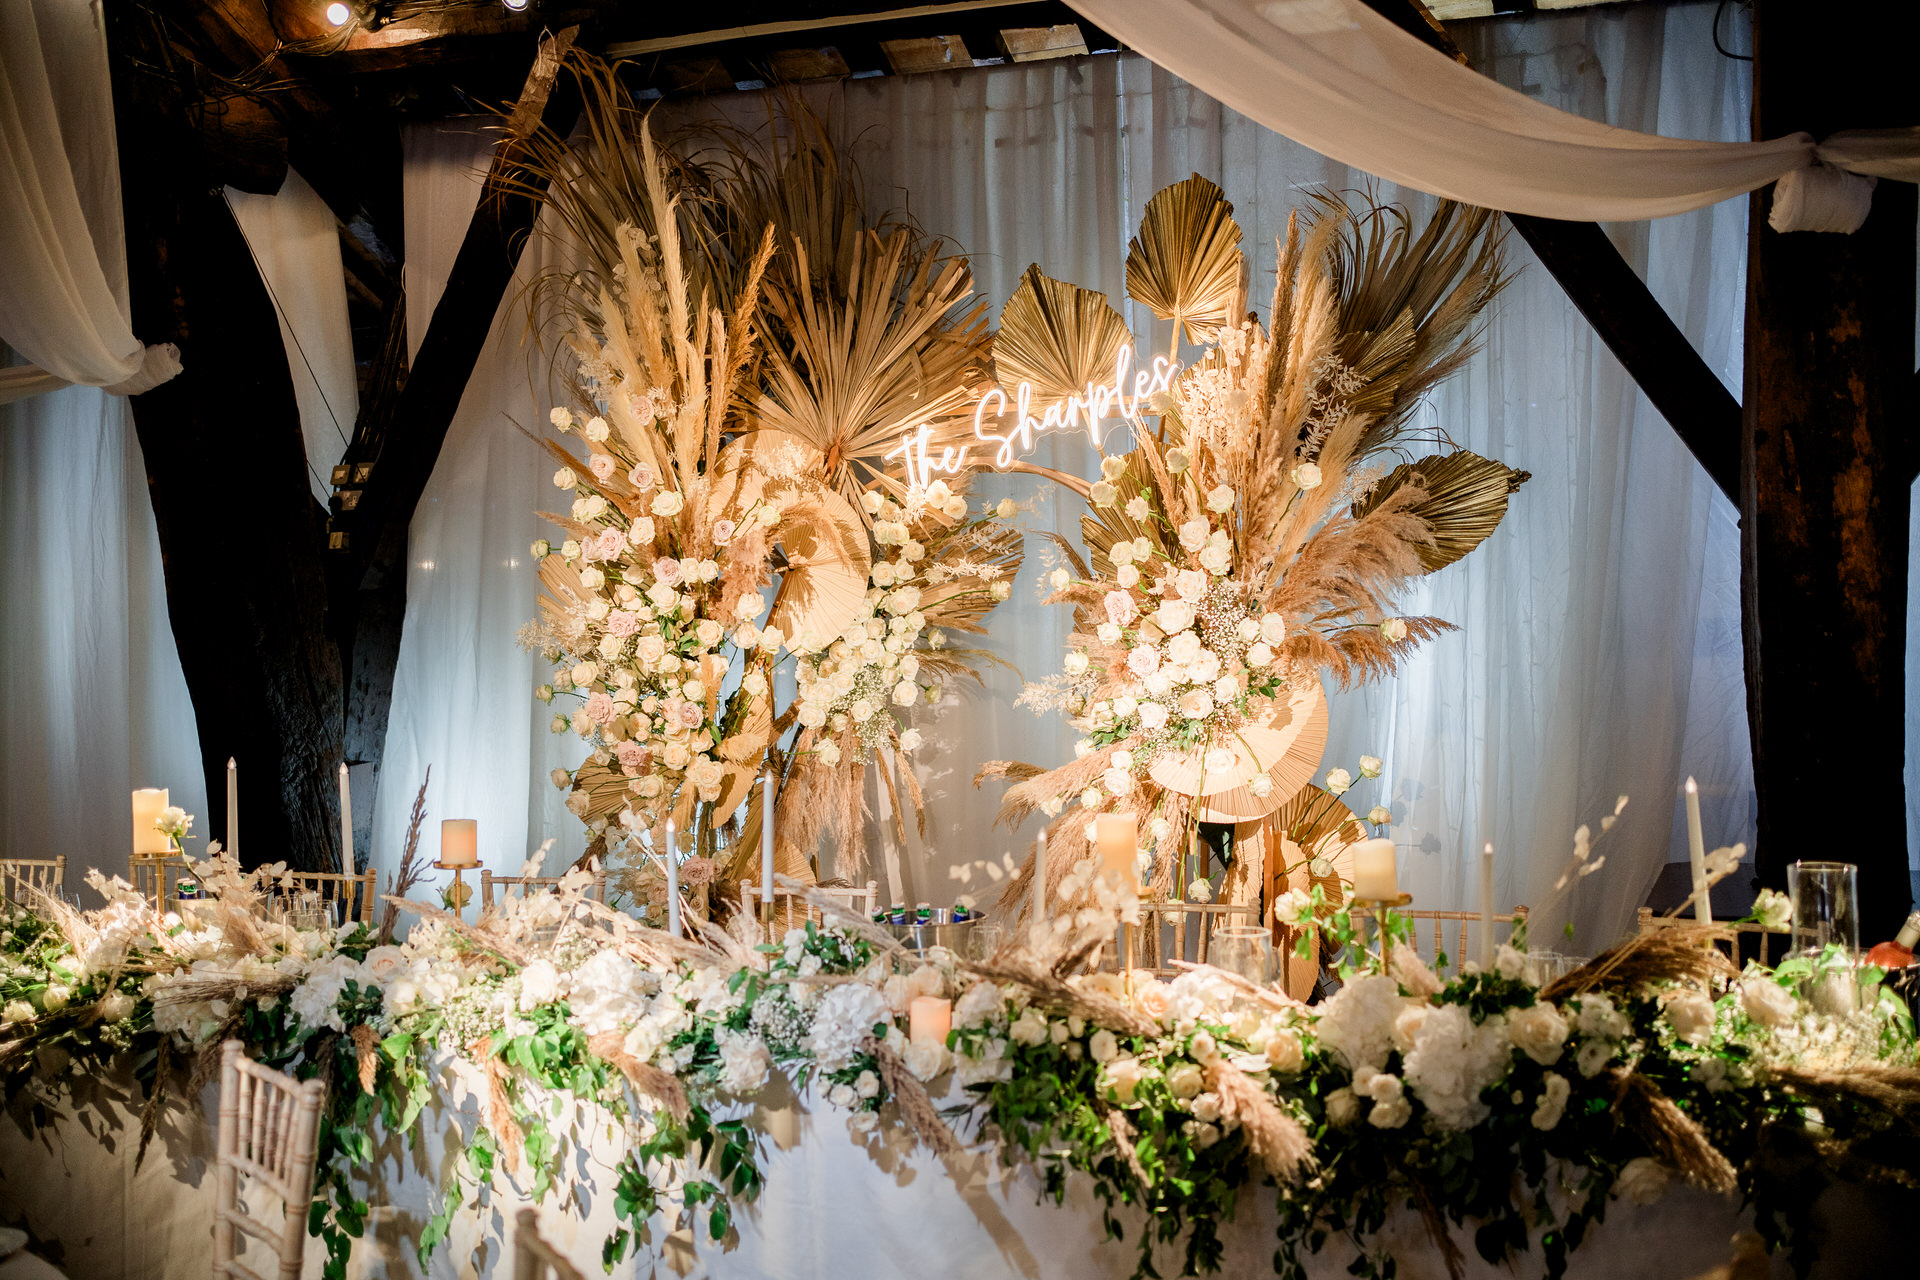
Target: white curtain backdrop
x,y
1599,644
63,274
1340,78
92,702
295,239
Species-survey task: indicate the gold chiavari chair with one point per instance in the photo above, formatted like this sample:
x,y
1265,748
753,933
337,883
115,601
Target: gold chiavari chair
x,y
1188,922
528,884
18,875
862,901
1465,922
354,893
269,1129
154,875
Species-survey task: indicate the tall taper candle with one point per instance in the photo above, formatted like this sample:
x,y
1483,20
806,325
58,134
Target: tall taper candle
x,y
346,823
673,882
233,807
147,804
1486,907
1697,853
766,836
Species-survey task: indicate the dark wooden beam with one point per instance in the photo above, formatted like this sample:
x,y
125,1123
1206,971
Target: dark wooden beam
x,y
240,535
1826,468
1619,306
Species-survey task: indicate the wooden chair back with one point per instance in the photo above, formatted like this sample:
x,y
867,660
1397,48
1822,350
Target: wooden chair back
x,y
789,908
1192,925
550,884
1767,954
1466,923
17,875
269,1127
354,893
533,1257
153,875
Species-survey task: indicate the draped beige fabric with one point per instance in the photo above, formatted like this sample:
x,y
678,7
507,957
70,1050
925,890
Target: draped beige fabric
x,y
1337,77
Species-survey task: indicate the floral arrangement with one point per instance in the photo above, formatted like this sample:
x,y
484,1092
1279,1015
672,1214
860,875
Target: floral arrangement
x,y
1249,539
1657,1062
744,370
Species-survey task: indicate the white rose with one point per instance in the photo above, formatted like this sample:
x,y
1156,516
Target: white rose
x,y
1220,498
906,693
1339,781
1379,815
926,1059
1103,494
667,503
1127,575
1004,509
1540,1032
1690,1014
1193,534
1370,766
1307,476
1284,1053
1153,715
1343,1108
1104,1046
1767,1002
1059,579
564,478
1394,630
1216,560
560,418
1259,655
1642,1182
910,740
1185,1080
1076,662
1173,616
1108,632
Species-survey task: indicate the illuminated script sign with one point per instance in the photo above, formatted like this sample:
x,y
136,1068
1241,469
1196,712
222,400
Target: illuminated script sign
x,y
1082,411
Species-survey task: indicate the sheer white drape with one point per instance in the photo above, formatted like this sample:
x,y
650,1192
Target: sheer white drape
x,y
1336,76
63,274
92,702
295,239
1599,643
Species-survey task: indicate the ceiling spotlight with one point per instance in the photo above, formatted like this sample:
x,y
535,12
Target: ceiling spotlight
x,y
515,6
338,14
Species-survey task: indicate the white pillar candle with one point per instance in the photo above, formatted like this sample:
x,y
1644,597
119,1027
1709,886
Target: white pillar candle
x,y
929,1018
766,836
673,882
460,842
1697,853
346,823
233,807
1373,871
1486,907
147,804
1116,836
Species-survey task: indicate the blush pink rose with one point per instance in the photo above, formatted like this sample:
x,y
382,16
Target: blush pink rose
x,y
599,708
692,715
602,465
633,757
622,623
641,476
606,545
1120,608
1191,585
723,531
1144,661
667,570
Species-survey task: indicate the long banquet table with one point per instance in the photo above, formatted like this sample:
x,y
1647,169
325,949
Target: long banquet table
x,y
835,1204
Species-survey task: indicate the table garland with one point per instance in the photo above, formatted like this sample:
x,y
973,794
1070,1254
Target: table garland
x,y
1482,1101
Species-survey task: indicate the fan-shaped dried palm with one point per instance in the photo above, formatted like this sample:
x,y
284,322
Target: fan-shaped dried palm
x,y
1185,265
855,378
1466,497
1058,338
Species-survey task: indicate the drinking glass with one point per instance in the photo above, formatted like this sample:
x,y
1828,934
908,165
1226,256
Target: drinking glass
x,y
983,940
1245,949
1825,897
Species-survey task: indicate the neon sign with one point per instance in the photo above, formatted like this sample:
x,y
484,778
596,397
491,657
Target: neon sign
x,y
1081,411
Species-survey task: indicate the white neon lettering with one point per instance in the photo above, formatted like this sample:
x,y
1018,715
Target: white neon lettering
x,y
919,463
1097,403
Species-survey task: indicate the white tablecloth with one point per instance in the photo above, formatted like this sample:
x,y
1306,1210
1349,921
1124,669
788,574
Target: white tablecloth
x,y
835,1205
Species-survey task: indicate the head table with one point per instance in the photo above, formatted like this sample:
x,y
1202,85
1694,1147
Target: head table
x,y
835,1204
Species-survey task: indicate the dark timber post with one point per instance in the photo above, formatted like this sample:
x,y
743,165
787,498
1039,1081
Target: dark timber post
x,y
1824,469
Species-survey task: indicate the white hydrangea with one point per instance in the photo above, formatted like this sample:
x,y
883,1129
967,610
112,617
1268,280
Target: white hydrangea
x,y
844,1016
1453,1059
1357,1024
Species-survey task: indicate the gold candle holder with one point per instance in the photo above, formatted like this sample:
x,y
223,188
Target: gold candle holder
x,y
766,918
1378,909
461,895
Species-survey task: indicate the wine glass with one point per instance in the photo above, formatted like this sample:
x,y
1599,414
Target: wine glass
x,y
1245,949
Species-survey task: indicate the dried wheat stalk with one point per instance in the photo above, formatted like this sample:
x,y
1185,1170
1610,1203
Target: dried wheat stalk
x,y
411,871
610,1046
910,1096
1274,1138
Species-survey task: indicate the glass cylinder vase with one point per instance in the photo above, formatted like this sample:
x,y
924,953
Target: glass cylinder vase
x,y
1825,897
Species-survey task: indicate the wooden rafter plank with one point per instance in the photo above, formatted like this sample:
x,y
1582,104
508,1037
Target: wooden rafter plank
x,y
1620,307
455,336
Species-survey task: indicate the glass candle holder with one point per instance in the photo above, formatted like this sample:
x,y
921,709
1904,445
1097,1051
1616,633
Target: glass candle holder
x,y
1243,949
1825,897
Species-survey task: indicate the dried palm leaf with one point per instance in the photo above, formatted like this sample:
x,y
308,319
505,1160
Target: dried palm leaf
x,y
1058,338
1185,265
1466,499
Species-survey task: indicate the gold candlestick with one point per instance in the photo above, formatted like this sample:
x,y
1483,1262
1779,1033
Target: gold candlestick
x,y
460,895
1378,908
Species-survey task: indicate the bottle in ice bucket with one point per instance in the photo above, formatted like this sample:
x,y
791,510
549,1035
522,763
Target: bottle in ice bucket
x,y
923,913
1898,954
898,915
880,917
186,890
959,912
